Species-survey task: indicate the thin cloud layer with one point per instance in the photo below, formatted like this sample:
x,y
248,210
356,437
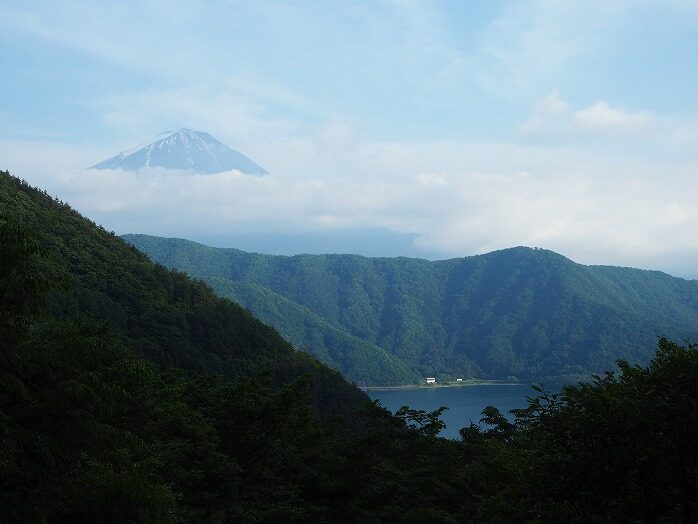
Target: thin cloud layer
x,y
472,126
592,208
555,118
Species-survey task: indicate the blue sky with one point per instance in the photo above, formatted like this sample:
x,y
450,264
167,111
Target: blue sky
x,y
460,126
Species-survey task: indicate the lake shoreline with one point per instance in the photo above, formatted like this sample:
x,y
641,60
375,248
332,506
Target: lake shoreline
x,y
465,404
465,383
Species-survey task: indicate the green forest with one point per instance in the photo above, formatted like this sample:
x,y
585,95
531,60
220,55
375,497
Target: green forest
x,y
131,393
520,313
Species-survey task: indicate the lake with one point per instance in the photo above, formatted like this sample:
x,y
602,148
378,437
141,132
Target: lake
x,y
464,403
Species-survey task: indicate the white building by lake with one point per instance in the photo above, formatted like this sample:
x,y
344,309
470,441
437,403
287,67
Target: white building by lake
x,y
431,380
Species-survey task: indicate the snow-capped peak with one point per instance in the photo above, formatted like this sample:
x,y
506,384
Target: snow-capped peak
x,y
183,149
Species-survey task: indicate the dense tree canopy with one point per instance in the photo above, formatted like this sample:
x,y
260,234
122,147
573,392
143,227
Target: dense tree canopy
x,y
525,313
98,425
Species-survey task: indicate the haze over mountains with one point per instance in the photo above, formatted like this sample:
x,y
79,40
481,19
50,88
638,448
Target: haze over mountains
x,y
186,150
526,313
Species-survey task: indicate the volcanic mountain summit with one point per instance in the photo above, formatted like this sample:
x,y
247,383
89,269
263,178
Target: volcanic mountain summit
x,y
186,150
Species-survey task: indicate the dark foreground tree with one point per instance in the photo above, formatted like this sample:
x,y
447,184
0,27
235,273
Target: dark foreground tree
x,y
91,431
621,448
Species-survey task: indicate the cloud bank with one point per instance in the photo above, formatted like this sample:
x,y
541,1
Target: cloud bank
x,y
466,126
456,198
555,118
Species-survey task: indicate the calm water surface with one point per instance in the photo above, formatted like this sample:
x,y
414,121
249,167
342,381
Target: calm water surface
x,y
464,404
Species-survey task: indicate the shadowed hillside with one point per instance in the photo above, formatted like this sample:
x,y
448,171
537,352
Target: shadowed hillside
x,y
160,314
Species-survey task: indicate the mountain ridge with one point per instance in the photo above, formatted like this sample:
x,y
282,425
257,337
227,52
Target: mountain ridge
x,y
528,313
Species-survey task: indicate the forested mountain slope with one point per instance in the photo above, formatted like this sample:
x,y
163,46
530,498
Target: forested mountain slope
x,y
359,360
160,314
130,393
521,312
91,431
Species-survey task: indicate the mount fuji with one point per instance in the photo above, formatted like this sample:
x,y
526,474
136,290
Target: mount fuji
x,y
186,150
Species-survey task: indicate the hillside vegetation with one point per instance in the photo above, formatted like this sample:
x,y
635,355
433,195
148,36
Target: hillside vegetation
x,y
359,360
525,313
130,393
160,314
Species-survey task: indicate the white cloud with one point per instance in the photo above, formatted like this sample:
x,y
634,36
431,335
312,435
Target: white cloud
x,y
555,118
47,161
601,116
458,198
225,112
432,179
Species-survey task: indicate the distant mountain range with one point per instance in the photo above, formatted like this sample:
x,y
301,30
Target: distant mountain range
x,y
526,313
185,150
